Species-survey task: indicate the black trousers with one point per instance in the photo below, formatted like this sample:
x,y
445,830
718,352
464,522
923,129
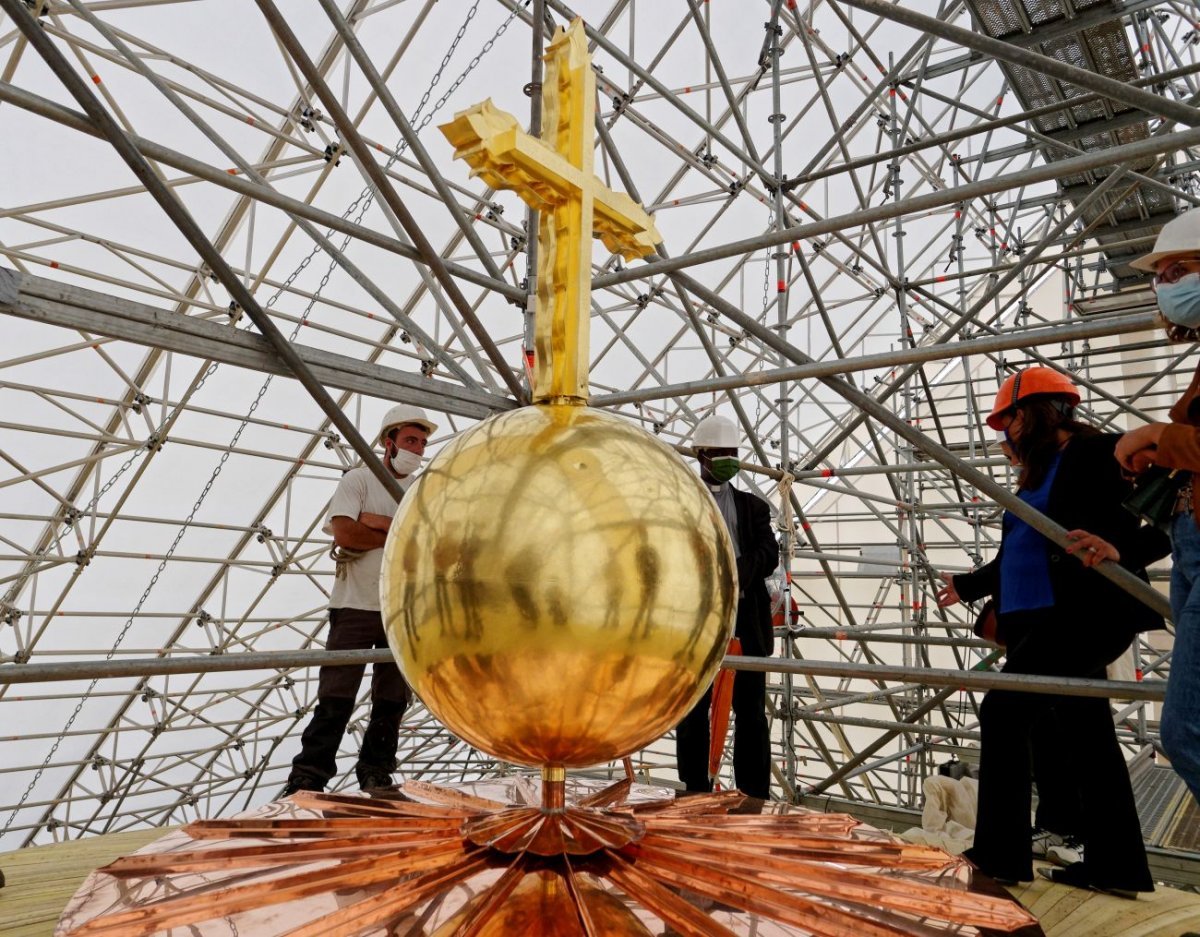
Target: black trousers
x,y
337,688
1048,643
751,739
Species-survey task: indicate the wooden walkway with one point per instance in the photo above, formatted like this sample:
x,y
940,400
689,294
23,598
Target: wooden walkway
x,y
41,880
1071,912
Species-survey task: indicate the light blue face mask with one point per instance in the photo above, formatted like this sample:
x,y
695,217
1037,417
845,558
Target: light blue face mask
x,y
1180,301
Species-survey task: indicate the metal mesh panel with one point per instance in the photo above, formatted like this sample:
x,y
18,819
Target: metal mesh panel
x,y
1043,11
1186,832
1156,791
1110,51
998,17
1102,49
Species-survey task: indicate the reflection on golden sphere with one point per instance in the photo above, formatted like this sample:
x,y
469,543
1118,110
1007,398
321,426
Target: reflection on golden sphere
x,y
558,587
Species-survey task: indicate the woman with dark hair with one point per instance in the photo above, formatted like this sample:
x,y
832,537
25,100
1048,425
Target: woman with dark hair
x,y
1059,619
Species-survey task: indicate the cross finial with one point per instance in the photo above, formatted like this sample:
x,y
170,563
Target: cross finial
x,y
554,175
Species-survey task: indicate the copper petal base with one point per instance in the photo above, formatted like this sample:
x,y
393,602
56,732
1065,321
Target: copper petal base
x,y
440,861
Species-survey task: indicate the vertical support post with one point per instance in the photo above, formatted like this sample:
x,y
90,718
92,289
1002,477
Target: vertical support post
x,y
780,255
906,521
554,789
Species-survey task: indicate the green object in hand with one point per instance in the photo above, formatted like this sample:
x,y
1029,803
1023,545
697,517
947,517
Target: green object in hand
x,y
1155,494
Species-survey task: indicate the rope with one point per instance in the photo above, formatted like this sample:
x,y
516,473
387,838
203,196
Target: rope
x,y
342,558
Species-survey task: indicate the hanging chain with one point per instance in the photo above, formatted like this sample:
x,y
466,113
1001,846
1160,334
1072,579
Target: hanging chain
x,y
363,203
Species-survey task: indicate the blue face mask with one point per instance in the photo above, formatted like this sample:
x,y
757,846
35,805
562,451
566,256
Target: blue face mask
x,y
1179,302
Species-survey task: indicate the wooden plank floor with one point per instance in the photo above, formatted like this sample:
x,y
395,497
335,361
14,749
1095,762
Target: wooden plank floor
x,y
1072,912
41,880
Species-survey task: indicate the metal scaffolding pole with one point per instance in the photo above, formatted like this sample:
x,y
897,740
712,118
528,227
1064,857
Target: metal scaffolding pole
x,y
366,162
190,230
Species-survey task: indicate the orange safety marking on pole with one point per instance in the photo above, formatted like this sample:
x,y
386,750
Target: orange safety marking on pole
x,y
96,79
781,287
54,265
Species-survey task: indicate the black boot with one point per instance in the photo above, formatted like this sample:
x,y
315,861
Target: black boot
x,y
377,760
317,761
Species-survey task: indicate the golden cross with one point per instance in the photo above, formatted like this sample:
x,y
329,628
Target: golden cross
x,y
554,176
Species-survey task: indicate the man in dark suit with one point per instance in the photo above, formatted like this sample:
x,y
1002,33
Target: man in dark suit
x,y
748,518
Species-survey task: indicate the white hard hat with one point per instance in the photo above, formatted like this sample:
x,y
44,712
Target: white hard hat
x,y
402,414
715,432
1180,235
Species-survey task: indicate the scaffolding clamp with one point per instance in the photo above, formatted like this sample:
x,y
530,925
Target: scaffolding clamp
x,y
308,118
333,153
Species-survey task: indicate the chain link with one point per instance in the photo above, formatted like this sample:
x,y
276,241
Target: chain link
x,y
363,203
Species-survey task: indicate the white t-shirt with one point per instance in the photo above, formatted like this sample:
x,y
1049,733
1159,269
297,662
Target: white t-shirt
x,y
359,491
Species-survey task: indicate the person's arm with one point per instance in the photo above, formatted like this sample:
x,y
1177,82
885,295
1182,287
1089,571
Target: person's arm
x,y
1173,445
345,515
762,556
1178,447
351,534
978,583
375,521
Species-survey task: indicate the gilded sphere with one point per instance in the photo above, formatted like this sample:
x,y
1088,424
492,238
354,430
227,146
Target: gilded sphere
x,y
558,587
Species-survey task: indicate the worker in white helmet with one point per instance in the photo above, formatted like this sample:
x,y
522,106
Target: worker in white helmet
x,y
748,519
1175,263
360,514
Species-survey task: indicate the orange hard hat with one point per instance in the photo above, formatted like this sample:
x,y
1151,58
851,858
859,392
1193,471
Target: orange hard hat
x,y
1030,382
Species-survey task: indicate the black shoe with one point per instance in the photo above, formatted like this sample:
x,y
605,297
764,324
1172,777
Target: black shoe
x,y
1077,876
301,782
373,779
998,875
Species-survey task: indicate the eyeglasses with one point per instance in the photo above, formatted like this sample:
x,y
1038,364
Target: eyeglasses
x,y
1175,272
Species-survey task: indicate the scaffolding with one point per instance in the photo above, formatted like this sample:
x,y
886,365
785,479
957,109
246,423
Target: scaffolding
x,y
871,213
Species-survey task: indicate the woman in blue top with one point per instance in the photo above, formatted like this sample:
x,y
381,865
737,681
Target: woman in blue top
x,y
1059,619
